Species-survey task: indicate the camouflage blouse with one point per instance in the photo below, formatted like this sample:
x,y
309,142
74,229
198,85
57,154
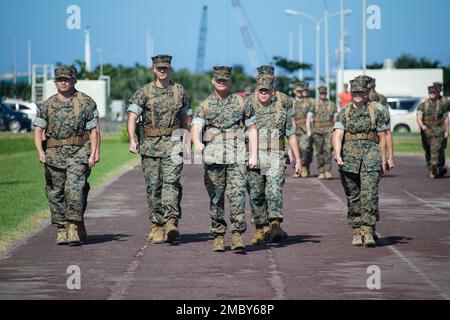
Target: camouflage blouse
x,y
58,119
361,154
303,108
227,118
168,113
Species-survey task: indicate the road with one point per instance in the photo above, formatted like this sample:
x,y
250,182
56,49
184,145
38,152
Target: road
x,y
316,262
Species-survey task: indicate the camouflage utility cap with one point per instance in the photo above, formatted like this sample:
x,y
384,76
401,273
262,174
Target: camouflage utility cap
x,y
222,73
370,81
359,84
438,85
323,90
264,81
65,72
266,69
432,89
303,85
162,60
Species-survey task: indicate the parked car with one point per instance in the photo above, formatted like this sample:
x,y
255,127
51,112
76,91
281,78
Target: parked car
x,y
406,122
29,108
402,105
12,120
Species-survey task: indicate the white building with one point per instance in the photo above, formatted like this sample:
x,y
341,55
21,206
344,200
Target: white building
x,y
96,89
397,82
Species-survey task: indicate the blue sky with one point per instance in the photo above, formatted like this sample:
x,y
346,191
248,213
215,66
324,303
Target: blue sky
x,y
119,27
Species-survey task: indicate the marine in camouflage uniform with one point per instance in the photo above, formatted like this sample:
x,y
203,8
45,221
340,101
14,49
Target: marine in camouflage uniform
x,y
323,116
274,121
165,108
82,233
384,107
432,117
445,102
303,105
223,117
68,119
359,146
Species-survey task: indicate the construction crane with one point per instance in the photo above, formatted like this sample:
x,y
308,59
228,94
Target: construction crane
x,y
202,41
245,32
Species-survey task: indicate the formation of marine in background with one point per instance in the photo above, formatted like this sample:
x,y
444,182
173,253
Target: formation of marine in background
x,y
246,144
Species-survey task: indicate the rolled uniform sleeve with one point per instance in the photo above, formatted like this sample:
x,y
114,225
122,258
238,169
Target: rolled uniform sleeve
x,y
91,119
199,115
384,110
340,121
381,121
250,116
447,110
186,109
290,129
419,111
42,117
387,118
137,101
135,109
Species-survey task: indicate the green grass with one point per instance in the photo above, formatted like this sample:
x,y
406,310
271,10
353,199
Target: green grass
x,y
411,144
22,196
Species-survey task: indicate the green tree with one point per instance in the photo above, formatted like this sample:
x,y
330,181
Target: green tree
x,y
407,61
285,83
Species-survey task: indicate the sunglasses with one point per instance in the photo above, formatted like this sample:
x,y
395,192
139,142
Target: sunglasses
x,y
264,91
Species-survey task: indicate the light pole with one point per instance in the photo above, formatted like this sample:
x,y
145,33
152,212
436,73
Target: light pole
x,y
364,37
341,48
300,50
327,59
29,60
100,52
14,61
327,15
291,45
290,12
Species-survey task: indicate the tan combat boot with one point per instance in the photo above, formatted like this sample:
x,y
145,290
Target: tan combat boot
x,y
374,234
172,232
152,233
72,234
433,171
259,237
321,176
368,237
328,175
276,233
285,234
159,235
304,172
295,175
236,241
357,237
219,243
82,233
61,236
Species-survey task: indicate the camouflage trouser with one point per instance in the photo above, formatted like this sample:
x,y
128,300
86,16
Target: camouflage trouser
x,y
65,193
87,188
362,197
229,177
434,144
164,190
305,146
323,141
266,194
